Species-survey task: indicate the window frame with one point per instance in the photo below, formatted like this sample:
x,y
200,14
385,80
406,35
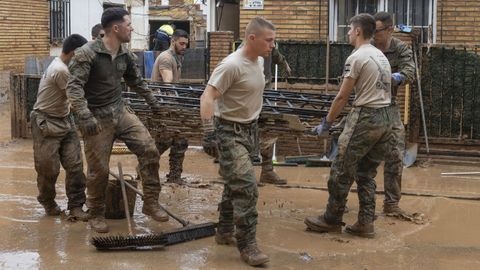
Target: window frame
x,y
382,5
60,20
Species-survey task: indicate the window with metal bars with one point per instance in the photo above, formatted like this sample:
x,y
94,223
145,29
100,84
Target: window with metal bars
x,y
60,20
418,14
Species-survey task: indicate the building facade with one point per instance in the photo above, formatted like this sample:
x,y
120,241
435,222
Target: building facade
x,y
438,21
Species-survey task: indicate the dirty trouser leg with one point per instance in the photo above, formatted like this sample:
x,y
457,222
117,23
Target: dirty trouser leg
x,y
363,129
393,161
71,159
266,150
138,140
177,155
241,191
47,163
366,172
97,152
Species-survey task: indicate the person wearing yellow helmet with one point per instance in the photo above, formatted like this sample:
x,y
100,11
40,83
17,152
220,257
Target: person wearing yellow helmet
x,y
162,37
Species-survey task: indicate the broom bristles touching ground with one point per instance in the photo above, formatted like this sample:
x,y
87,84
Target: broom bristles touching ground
x,y
154,241
133,242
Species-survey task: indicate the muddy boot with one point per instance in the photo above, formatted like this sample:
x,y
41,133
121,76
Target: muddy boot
x,y
98,224
175,178
268,175
319,224
225,239
393,209
253,256
79,214
271,177
52,209
362,230
152,209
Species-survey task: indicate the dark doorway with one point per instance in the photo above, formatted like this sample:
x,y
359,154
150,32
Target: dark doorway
x,y
154,25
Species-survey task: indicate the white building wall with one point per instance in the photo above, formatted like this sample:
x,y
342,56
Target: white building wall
x,y
87,13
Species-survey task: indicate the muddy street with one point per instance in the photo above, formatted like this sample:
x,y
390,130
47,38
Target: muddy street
x,y
445,237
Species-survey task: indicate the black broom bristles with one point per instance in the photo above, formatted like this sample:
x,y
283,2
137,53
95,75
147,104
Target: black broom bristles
x,y
132,242
154,241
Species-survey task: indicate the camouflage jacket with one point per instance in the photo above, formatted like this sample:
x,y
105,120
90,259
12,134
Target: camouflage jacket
x,y
400,57
96,79
276,58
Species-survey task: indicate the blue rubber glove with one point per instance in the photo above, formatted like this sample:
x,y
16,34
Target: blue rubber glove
x,y
323,128
397,79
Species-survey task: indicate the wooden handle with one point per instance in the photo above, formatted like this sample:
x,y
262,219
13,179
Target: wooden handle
x,y
125,199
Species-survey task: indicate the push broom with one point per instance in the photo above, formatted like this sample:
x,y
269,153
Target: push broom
x,y
187,233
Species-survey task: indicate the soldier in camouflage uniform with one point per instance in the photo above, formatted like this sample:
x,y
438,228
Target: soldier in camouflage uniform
x,y
403,68
236,86
268,175
55,140
367,134
95,92
264,146
168,68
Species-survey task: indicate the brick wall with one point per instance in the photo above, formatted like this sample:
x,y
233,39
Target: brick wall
x,y
293,19
458,21
220,45
25,31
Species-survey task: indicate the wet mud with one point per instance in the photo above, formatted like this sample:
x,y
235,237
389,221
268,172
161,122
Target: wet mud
x,y
448,239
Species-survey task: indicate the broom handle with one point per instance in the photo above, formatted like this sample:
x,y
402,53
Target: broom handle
x,y
125,199
182,221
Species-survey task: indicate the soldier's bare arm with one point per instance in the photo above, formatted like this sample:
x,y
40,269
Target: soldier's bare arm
x,y
167,75
341,99
207,102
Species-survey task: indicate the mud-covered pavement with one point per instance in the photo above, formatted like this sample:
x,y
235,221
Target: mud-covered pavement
x,y
449,237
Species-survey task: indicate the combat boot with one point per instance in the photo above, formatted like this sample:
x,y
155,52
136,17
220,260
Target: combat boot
x,y
98,224
79,214
175,178
393,209
253,256
319,224
225,239
52,209
362,230
271,177
152,209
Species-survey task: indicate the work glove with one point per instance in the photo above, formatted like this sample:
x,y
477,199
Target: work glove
x,y
152,102
209,142
89,125
397,79
323,128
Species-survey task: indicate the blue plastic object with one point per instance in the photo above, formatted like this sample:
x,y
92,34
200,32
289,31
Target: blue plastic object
x,y
148,60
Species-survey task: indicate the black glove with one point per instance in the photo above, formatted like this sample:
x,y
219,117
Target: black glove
x,y
210,142
152,102
89,126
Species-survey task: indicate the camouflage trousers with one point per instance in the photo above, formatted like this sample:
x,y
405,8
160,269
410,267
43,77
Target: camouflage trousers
x,y
239,199
56,142
362,146
119,122
394,161
178,146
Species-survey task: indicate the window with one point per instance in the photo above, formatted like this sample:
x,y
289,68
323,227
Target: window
x,y
416,13
59,20
346,9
